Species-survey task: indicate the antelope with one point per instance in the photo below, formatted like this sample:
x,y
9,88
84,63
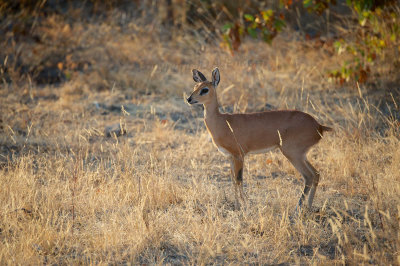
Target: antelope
x,y
236,135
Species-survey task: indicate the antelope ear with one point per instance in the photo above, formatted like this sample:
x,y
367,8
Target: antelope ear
x,y
198,76
215,77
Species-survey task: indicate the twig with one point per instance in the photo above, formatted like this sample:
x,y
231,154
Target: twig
x,y
75,178
377,201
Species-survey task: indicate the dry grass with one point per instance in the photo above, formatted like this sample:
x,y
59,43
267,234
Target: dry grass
x,y
161,193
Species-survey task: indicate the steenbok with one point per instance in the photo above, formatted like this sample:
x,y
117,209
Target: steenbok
x,y
237,135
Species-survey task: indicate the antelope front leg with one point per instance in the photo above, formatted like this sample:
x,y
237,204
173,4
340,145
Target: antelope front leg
x,y
237,179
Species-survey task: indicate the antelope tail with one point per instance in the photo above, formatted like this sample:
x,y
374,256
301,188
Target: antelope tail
x,y
322,128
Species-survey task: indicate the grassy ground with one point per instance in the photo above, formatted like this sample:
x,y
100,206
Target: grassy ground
x,y
111,165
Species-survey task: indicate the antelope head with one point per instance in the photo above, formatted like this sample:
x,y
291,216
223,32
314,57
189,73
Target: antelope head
x,y
204,90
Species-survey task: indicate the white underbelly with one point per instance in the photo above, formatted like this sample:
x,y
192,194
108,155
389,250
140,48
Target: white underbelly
x,y
224,151
260,151
263,150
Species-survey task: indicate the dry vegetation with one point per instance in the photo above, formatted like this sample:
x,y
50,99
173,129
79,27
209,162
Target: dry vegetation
x,y
111,166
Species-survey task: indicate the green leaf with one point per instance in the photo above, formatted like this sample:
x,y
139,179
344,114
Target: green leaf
x,y
252,32
337,45
241,31
227,26
227,41
68,75
279,24
307,3
267,36
267,14
249,17
253,25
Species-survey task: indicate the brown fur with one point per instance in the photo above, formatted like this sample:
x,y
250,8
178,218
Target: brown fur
x,y
293,132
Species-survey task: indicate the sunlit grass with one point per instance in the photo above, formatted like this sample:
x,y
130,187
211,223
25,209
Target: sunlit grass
x,y
161,193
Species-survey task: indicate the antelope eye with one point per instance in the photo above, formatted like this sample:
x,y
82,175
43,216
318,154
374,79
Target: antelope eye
x,y
204,91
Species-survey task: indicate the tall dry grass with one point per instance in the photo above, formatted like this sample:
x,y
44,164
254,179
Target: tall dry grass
x,y
161,193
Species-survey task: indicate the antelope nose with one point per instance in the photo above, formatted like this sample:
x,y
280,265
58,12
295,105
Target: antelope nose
x,y
189,99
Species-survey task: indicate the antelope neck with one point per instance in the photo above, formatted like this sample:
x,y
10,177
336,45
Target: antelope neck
x,y
211,109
